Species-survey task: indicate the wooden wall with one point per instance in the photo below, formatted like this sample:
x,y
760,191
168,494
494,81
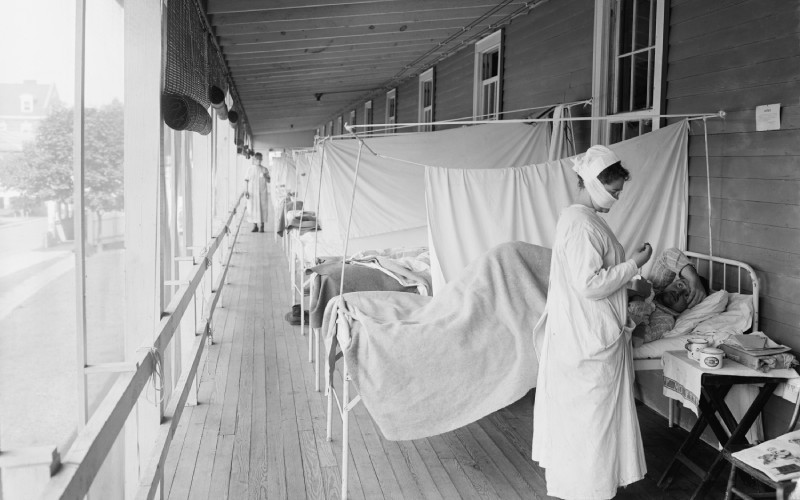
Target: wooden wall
x,y
548,60
733,56
407,102
452,86
727,55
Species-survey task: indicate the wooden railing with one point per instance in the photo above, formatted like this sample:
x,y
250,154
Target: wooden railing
x,y
72,477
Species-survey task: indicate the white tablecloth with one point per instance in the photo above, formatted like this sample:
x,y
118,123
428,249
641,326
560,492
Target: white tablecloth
x,y
683,378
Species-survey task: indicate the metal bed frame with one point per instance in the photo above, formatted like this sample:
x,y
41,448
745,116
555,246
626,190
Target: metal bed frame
x,y
706,265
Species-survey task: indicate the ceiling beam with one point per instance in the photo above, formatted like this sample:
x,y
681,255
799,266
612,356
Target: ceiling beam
x,y
254,43
452,17
226,10
377,49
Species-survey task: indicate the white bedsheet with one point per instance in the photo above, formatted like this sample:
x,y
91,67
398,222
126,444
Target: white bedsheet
x,y
470,210
736,319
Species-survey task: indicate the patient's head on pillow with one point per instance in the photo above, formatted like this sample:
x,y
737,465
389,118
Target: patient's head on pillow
x,y
675,296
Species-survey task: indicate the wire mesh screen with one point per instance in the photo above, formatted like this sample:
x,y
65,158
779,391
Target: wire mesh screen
x,y
216,71
186,72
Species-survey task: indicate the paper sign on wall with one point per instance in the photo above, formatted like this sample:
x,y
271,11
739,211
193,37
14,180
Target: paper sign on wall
x,y
768,117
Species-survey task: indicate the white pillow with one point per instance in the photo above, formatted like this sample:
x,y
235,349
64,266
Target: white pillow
x,y
690,318
737,318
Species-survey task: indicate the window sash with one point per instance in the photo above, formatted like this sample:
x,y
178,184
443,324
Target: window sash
x,y
488,77
628,66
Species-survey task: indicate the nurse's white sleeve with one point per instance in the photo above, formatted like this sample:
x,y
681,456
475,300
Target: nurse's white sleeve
x,y
584,252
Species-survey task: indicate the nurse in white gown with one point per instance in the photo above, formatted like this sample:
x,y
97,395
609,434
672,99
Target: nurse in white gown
x,y
585,430
256,190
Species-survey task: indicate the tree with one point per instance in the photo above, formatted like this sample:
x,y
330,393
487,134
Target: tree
x,y
45,171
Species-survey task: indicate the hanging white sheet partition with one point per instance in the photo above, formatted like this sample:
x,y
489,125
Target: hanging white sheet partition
x,y
307,165
282,173
470,211
389,208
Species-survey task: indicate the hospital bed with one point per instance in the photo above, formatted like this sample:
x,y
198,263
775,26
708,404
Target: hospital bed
x,y
736,277
324,281
733,276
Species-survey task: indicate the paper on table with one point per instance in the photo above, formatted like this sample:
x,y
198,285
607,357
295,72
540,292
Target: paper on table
x,y
756,343
778,458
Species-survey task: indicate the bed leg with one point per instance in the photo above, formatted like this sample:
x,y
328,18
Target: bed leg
x,y
310,344
345,432
329,393
315,334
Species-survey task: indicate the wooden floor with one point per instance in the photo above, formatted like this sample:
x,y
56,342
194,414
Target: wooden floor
x,y
259,428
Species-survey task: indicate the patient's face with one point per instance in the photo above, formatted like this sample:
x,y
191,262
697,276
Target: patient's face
x,y
676,295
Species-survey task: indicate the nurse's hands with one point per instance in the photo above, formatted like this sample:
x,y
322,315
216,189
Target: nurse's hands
x,y
642,255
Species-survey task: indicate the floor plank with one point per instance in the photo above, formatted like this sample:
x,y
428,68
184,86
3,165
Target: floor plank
x,y
259,429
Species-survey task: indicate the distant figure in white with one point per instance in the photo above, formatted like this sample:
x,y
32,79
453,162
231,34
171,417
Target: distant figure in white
x,y
256,186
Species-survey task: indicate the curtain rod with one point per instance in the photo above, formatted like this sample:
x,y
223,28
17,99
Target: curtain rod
x,y
692,116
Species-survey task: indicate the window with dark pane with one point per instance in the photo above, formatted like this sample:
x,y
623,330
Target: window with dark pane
x,y
635,55
427,93
490,64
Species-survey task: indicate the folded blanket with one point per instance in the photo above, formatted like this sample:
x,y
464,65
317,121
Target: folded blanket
x,y
407,270
428,365
288,204
325,285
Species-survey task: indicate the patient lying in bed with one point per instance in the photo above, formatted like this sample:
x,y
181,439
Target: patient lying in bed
x,y
672,286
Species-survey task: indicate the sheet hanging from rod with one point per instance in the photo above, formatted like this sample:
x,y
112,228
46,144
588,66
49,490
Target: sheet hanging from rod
x,y
472,210
390,197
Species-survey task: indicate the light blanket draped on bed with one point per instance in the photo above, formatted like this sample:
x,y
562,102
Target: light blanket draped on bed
x,y
427,365
470,210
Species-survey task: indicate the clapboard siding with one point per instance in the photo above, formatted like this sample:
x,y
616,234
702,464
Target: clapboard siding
x,y
743,120
784,69
712,42
548,60
746,98
379,108
781,191
755,212
453,86
763,51
408,102
699,18
735,55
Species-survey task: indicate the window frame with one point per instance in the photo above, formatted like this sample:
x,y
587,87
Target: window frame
x,y
368,117
391,110
486,45
26,103
605,70
425,113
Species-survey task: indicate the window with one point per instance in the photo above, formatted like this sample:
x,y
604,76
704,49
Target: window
x,y
488,76
26,103
426,100
26,128
368,116
391,109
352,120
339,128
329,128
3,126
628,68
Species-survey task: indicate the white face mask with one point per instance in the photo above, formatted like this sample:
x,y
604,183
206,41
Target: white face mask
x,y
598,193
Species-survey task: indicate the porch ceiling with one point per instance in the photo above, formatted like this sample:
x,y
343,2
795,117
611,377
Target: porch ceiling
x,y
282,54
